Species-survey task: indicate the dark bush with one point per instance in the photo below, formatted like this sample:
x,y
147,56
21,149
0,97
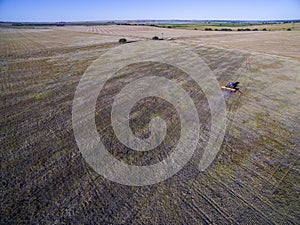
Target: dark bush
x,y
122,41
208,29
155,38
289,29
265,29
226,29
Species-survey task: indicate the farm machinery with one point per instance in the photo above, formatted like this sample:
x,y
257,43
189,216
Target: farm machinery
x,y
231,87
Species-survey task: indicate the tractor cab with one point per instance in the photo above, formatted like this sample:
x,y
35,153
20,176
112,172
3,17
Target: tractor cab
x,y
232,85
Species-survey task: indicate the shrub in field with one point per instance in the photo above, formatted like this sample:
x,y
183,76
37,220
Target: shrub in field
x,y
208,29
122,41
247,29
289,29
155,38
226,29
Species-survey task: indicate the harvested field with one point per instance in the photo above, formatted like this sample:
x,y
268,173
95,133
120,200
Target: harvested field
x,y
45,179
235,26
282,43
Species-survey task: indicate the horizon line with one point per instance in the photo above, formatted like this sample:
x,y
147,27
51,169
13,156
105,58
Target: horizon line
x,y
139,20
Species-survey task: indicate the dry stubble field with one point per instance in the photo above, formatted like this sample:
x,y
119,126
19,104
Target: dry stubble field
x,y
45,180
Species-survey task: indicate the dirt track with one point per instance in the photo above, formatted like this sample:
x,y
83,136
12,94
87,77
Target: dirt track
x,y
45,180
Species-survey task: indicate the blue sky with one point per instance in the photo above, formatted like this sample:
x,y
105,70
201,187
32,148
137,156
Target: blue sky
x,y
92,10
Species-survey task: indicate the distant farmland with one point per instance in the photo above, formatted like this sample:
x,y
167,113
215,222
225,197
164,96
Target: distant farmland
x,y
45,180
214,26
